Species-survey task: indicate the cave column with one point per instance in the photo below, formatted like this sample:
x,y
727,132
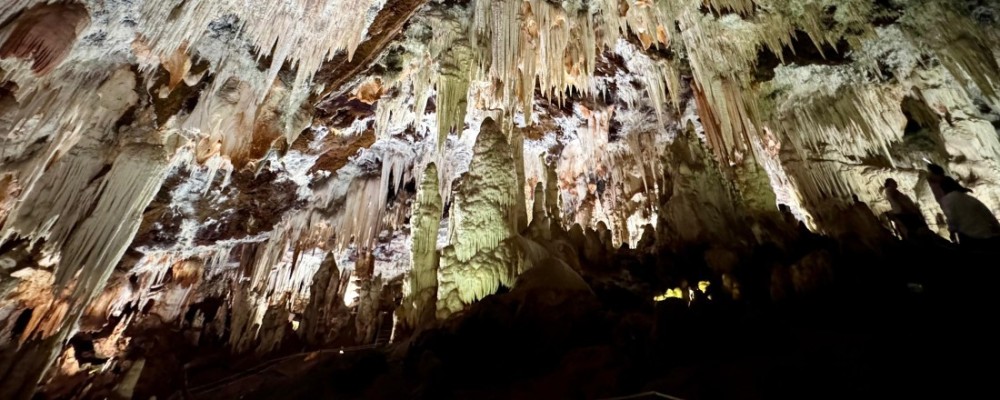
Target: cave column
x,y
420,305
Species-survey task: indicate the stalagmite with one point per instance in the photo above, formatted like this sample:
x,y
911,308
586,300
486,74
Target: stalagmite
x,y
552,200
421,301
482,214
323,319
700,207
126,388
369,290
243,178
482,219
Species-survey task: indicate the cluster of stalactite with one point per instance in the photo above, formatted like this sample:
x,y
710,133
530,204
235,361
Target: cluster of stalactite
x,y
185,162
116,195
758,118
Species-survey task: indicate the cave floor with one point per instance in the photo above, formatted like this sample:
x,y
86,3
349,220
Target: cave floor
x,y
873,337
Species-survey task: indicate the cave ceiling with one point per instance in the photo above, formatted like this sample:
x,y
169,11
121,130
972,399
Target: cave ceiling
x,y
163,153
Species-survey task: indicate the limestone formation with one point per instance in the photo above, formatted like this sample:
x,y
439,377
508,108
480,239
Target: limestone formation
x,y
420,305
245,177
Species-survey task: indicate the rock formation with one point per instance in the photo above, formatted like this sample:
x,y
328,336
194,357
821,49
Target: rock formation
x,y
244,179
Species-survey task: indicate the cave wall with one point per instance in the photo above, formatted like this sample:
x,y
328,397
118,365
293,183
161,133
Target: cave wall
x,y
233,170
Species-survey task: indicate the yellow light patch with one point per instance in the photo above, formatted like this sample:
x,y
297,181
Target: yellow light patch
x,y
675,293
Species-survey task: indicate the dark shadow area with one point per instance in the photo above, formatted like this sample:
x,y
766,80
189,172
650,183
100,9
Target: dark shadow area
x,y
913,322
802,51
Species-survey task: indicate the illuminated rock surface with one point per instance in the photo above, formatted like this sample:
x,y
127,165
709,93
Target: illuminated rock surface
x,y
189,184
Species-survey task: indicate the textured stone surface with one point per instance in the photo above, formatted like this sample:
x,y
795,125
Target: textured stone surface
x,y
253,176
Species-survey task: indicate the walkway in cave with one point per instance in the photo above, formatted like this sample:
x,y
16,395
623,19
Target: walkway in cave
x,y
914,328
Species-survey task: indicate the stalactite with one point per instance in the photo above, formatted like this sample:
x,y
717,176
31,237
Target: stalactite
x,y
362,218
178,65
13,7
496,33
364,215
602,176
45,34
388,116
661,77
961,48
858,122
422,84
452,92
304,33
99,242
560,51
60,111
722,63
281,116
591,101
521,43
740,6
221,116
94,244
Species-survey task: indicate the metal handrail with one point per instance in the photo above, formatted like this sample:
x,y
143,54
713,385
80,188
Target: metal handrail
x,y
644,394
221,383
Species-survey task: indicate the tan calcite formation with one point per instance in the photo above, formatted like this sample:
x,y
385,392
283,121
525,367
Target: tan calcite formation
x,y
482,219
540,225
87,225
323,318
698,202
277,124
370,91
93,240
601,181
231,109
178,65
452,91
368,315
304,33
844,136
483,211
163,154
44,34
419,307
109,226
9,192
